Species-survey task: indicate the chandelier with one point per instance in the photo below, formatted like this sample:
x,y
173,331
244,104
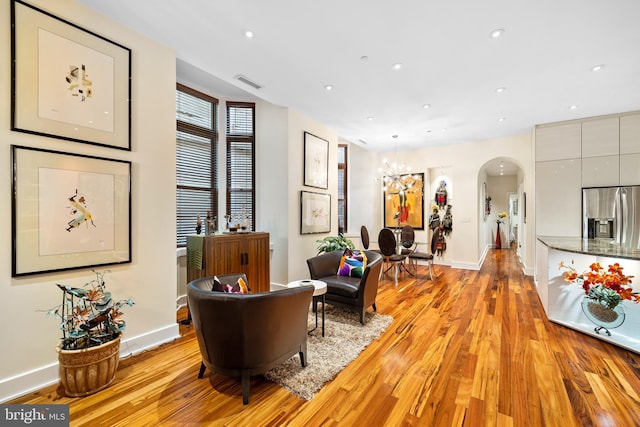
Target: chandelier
x,y
397,177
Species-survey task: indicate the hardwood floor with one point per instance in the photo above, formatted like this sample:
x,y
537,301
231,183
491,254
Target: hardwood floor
x,y
469,348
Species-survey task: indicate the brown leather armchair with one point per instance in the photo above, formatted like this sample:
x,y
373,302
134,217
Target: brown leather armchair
x,y
351,292
241,335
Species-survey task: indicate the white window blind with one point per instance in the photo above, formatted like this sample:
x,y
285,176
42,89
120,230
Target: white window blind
x,y
241,160
196,151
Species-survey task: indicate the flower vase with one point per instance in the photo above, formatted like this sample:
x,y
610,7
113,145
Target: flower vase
x,y
603,317
498,239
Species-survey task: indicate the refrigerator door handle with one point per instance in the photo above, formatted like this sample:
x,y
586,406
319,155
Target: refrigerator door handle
x,y
622,220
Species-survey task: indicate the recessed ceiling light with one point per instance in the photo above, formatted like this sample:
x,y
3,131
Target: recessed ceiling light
x,y
249,34
444,129
496,33
370,119
573,107
597,67
397,65
502,119
429,131
425,106
364,58
328,87
501,89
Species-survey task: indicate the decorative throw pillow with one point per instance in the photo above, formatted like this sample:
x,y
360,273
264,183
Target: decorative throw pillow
x,y
240,287
218,286
244,288
352,263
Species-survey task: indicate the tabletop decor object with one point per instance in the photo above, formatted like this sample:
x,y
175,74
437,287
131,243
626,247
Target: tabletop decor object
x,y
605,289
499,220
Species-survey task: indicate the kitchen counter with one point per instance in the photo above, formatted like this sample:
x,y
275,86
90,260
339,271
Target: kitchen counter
x,y
597,247
562,301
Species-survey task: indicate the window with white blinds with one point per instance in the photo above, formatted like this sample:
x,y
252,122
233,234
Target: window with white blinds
x,y
241,161
342,188
196,154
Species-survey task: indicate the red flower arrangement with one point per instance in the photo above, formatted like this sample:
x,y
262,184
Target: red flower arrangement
x,y
609,287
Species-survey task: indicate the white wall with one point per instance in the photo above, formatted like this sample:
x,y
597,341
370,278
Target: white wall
x,y
364,192
273,169
302,247
28,337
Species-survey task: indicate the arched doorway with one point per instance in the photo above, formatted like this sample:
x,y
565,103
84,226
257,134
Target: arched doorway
x,y
501,193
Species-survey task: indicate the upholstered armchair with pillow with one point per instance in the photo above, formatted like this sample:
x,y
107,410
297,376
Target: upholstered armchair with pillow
x,y
356,293
242,335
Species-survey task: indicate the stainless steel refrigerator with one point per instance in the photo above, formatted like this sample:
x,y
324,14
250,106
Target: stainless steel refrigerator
x,y
612,213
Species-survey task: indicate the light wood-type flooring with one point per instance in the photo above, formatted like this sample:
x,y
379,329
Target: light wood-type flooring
x,y
471,348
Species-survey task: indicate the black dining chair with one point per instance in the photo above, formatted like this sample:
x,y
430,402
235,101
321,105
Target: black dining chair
x,y
364,237
388,248
413,254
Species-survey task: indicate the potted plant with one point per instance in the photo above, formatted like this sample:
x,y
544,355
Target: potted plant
x,y
91,324
333,243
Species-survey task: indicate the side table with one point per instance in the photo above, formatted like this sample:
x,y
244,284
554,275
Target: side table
x,y
318,296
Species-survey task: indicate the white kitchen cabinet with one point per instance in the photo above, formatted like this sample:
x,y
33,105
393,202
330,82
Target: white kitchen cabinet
x,y
558,198
601,137
601,171
630,134
558,142
630,169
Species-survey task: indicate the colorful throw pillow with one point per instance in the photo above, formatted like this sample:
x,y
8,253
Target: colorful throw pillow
x,y
352,263
240,287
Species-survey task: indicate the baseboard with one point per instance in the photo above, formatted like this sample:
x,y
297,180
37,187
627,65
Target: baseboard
x,y
27,382
181,301
466,265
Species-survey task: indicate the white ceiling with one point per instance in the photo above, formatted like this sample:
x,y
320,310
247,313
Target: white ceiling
x,y
543,59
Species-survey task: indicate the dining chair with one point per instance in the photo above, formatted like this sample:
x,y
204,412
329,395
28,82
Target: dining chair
x,y
388,248
408,239
364,237
414,255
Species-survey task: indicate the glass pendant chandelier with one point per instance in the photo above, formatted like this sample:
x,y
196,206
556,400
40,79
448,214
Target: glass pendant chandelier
x,y
396,177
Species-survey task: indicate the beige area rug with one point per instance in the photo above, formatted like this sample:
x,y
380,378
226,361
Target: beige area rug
x,y
344,339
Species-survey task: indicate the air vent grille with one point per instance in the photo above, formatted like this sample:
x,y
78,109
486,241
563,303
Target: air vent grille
x,y
247,81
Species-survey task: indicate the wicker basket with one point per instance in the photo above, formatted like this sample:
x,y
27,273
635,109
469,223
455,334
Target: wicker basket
x,y
84,372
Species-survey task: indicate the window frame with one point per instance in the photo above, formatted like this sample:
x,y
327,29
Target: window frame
x,y
345,167
231,139
200,132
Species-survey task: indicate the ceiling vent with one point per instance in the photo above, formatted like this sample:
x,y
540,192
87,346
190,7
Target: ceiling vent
x,y
245,80
362,141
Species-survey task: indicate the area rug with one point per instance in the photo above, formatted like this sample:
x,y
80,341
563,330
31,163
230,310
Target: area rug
x,y
345,337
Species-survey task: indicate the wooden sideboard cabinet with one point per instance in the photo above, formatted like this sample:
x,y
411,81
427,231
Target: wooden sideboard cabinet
x,y
246,253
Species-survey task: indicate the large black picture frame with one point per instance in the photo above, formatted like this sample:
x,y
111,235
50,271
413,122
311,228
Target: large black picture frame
x,y
69,211
68,82
315,212
316,161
